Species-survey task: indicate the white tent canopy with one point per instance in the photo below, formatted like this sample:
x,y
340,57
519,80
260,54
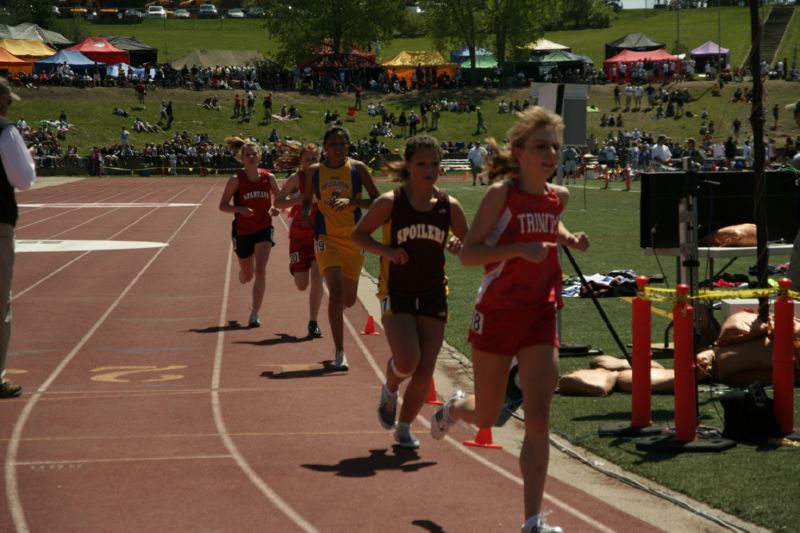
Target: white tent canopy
x,y
543,45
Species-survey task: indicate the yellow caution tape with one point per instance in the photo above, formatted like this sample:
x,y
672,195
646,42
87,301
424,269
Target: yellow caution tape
x,y
670,295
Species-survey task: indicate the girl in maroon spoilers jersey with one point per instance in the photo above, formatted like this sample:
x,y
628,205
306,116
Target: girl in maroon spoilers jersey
x,y
252,190
515,235
416,218
301,232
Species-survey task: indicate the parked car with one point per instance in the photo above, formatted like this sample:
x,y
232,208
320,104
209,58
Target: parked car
x,y
207,11
256,12
132,15
235,13
156,12
182,14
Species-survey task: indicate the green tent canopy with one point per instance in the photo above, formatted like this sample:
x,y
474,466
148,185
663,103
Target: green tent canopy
x,y
480,62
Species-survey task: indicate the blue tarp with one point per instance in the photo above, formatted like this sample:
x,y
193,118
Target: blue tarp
x,y
76,61
457,56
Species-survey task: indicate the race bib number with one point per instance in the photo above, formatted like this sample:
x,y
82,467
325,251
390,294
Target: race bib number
x,y
386,306
477,323
320,246
294,258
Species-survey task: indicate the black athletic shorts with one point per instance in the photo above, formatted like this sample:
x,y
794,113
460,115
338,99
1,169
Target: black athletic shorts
x,y
433,306
245,245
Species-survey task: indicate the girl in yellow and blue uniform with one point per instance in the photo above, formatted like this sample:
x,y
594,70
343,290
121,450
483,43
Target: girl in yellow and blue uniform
x,y
337,184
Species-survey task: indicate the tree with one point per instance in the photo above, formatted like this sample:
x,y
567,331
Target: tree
x,y
36,11
303,26
473,23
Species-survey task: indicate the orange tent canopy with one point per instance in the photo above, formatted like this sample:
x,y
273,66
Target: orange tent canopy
x,y
13,64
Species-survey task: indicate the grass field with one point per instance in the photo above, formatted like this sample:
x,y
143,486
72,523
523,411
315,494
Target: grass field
x,y
756,483
729,25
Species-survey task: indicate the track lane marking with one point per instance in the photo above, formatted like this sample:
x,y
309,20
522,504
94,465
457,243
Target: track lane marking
x,y
11,481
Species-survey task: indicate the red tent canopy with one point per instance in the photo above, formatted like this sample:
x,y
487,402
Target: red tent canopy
x,y
99,49
629,57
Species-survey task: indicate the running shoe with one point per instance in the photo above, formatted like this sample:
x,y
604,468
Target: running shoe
x,y
540,527
313,329
441,421
387,408
340,362
254,322
403,436
9,390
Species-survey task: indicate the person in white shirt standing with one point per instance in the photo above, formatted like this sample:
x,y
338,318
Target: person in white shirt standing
x,y
477,157
661,155
17,170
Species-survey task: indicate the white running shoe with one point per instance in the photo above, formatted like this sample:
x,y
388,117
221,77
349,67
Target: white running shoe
x,y
536,524
340,362
254,322
403,436
441,421
387,408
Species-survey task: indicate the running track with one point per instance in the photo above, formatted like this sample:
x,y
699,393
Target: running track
x,y
148,407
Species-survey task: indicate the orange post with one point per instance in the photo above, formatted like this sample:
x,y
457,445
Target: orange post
x,y
432,398
483,440
605,178
685,402
369,329
642,334
783,359
627,178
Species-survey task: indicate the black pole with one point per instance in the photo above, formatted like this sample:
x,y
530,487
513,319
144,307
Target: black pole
x,y
757,124
597,305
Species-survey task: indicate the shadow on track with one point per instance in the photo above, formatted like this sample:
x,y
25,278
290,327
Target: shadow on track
x,y
376,460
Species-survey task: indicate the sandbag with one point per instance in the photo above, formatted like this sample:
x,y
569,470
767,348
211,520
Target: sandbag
x,y
595,382
732,236
755,354
662,381
742,326
609,362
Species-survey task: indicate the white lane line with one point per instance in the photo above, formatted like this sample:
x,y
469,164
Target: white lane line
x,y
17,295
108,205
12,483
123,460
222,429
50,245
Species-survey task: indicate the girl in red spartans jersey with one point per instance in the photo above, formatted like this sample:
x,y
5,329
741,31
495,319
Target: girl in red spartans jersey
x,y
416,220
515,235
301,232
252,190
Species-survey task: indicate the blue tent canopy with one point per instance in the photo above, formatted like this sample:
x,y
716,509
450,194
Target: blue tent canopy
x,y
457,56
76,61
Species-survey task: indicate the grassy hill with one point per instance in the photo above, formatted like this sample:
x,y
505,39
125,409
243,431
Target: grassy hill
x,y
174,38
90,111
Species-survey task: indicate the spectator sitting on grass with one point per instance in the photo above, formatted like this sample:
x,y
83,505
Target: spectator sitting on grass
x,y
119,112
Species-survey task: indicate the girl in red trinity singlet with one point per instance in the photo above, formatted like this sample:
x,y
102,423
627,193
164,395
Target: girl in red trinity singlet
x,y
251,190
515,235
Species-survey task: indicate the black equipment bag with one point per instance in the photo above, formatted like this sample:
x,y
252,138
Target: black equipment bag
x,y
749,415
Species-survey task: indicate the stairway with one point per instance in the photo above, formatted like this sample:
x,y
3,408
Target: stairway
x,y
774,28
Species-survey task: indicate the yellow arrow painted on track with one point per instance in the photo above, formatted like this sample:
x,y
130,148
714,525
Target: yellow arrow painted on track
x,y
116,374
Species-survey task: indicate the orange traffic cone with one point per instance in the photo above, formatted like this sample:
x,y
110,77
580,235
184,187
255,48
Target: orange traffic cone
x,y
432,398
369,329
483,440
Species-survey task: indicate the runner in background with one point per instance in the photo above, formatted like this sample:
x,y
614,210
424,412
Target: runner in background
x,y
301,234
337,183
416,220
515,235
251,190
